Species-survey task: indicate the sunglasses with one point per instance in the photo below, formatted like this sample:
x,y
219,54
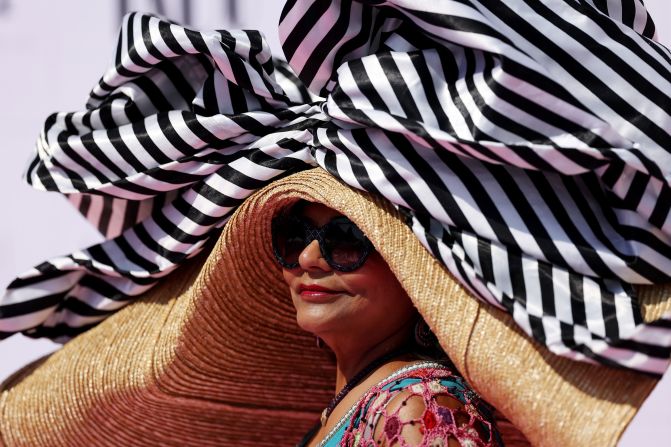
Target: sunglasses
x,y
342,244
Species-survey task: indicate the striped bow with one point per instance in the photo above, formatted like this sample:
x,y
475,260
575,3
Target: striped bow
x,y
529,143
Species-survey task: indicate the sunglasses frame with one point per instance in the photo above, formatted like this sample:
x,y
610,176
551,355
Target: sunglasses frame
x,y
317,233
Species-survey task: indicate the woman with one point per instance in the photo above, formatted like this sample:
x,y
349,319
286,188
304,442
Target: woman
x,y
387,392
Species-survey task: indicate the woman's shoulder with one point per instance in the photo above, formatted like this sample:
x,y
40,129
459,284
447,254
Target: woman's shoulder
x,y
423,403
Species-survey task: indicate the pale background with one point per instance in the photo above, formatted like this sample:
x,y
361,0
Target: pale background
x,y
51,54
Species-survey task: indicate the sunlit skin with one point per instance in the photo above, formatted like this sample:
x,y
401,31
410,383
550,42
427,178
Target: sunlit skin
x,y
360,315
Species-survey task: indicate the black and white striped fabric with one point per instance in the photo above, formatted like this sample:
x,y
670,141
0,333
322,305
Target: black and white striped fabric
x,y
529,143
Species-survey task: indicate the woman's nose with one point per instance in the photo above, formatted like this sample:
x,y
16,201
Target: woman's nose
x,y
311,258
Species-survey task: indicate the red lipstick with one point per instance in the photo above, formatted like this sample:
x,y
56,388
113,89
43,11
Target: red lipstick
x,y
316,291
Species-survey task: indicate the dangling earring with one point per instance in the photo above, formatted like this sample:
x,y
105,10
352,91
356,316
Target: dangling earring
x,y
320,343
423,336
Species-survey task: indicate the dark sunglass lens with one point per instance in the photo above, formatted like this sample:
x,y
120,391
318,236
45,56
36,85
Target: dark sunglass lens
x,y
344,242
289,239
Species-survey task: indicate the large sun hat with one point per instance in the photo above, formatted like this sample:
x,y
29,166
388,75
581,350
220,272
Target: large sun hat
x,y
213,355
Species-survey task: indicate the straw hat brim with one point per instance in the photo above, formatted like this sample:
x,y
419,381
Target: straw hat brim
x,y
213,355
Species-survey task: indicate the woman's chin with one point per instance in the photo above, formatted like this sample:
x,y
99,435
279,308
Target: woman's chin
x,y
319,320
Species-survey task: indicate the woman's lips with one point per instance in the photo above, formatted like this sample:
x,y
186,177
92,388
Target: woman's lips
x,y
315,291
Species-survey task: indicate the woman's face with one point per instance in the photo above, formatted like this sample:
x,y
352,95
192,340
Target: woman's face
x,y
367,302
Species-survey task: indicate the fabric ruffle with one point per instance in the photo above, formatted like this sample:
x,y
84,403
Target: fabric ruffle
x,y
528,143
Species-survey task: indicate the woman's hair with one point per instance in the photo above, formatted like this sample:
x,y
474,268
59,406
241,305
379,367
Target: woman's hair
x,y
426,344
294,209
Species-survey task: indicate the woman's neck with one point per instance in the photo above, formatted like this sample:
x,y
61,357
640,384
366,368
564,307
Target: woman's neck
x,y
353,357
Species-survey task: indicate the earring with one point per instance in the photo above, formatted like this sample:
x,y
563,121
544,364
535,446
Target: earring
x,y
320,343
423,336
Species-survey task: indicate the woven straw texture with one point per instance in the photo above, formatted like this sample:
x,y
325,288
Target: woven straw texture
x,y
213,356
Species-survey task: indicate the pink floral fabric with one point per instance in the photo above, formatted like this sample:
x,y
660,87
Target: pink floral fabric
x,y
423,407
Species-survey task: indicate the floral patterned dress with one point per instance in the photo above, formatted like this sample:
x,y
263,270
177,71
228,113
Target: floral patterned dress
x,y
425,402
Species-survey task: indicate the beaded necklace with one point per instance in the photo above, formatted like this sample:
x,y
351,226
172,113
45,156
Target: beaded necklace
x,y
357,378
354,381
